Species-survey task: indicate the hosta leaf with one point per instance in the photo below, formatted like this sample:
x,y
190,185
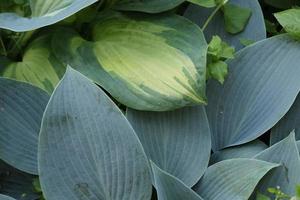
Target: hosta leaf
x,y
233,179
169,187
38,66
146,62
255,29
204,3
44,13
242,151
21,109
177,141
148,6
262,85
87,148
286,176
290,21
290,122
3,197
16,184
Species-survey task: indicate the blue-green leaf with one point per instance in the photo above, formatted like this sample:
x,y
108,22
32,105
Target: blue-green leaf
x,y
17,184
290,122
242,151
233,179
262,85
87,148
287,175
3,197
21,109
178,141
255,29
155,63
169,187
44,13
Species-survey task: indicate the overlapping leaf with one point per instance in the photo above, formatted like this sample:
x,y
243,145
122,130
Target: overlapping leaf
x,y
287,175
17,184
169,187
290,122
43,13
39,66
255,29
87,148
21,109
4,197
248,150
178,141
233,179
262,85
146,62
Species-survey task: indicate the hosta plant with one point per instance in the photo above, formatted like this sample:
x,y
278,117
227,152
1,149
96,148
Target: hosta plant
x,y
149,100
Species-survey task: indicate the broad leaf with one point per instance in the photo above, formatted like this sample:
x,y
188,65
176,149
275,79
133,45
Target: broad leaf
x,y
148,6
233,179
177,141
39,66
204,3
146,62
262,85
87,148
255,29
44,13
290,21
3,197
290,122
16,184
286,176
21,109
242,151
169,187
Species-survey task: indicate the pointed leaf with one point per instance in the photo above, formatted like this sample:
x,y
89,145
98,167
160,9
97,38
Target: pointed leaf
x,y
169,187
289,20
21,109
255,29
146,62
38,66
242,151
287,176
233,179
290,122
177,141
262,85
87,148
44,13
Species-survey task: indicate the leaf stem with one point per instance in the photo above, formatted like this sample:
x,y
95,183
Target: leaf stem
x,y
3,46
213,14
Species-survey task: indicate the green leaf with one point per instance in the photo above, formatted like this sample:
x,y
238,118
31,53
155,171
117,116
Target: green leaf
x,y
218,70
290,122
233,179
282,4
177,141
220,49
236,18
262,197
255,29
290,21
148,6
44,13
204,3
39,66
21,109
242,151
3,197
246,42
16,184
87,148
146,62
287,176
169,187
254,96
